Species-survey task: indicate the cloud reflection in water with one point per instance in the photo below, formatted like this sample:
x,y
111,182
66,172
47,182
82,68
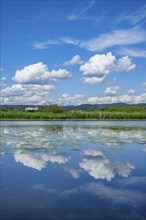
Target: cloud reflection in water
x,y
98,166
38,159
87,176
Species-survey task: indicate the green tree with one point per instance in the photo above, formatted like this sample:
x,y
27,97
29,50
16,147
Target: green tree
x,y
55,109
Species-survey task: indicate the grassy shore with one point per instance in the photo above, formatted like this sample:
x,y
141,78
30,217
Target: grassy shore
x,y
72,115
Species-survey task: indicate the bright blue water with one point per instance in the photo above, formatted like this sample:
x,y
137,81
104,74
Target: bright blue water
x,y
73,170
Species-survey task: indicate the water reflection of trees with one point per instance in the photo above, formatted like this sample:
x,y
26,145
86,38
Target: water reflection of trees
x,y
53,129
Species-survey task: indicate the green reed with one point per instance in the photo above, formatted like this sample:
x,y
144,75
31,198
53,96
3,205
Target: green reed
x,y
72,115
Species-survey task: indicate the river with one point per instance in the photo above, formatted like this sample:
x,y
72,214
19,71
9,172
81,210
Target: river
x,y
73,170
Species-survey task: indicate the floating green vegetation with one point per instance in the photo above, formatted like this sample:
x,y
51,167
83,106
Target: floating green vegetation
x,y
23,152
9,153
24,138
3,148
123,128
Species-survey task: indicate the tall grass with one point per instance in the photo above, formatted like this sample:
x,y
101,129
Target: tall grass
x,y
72,115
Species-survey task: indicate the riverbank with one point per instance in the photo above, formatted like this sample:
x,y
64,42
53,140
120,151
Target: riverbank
x,y
72,115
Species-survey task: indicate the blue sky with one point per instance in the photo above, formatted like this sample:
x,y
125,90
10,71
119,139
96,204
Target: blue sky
x,y
72,52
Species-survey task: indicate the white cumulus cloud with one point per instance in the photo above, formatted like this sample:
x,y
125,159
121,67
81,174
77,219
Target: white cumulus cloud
x,y
93,80
103,64
131,99
38,73
75,60
110,91
67,99
18,88
96,69
124,64
26,94
131,91
99,65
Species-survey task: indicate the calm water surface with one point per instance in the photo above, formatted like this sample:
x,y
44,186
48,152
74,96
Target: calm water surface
x,y
73,170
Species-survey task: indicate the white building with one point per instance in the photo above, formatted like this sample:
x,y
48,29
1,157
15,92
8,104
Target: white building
x,y
31,108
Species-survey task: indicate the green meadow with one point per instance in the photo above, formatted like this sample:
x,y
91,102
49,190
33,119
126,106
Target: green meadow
x,y
58,113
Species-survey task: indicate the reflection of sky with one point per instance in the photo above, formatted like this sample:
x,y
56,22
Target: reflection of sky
x,y
38,159
93,161
80,178
100,167
114,198
70,136
116,195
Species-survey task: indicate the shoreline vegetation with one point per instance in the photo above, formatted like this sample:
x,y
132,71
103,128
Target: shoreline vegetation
x,y
55,112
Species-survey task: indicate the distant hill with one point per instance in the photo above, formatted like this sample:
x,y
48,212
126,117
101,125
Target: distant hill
x,y
84,107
